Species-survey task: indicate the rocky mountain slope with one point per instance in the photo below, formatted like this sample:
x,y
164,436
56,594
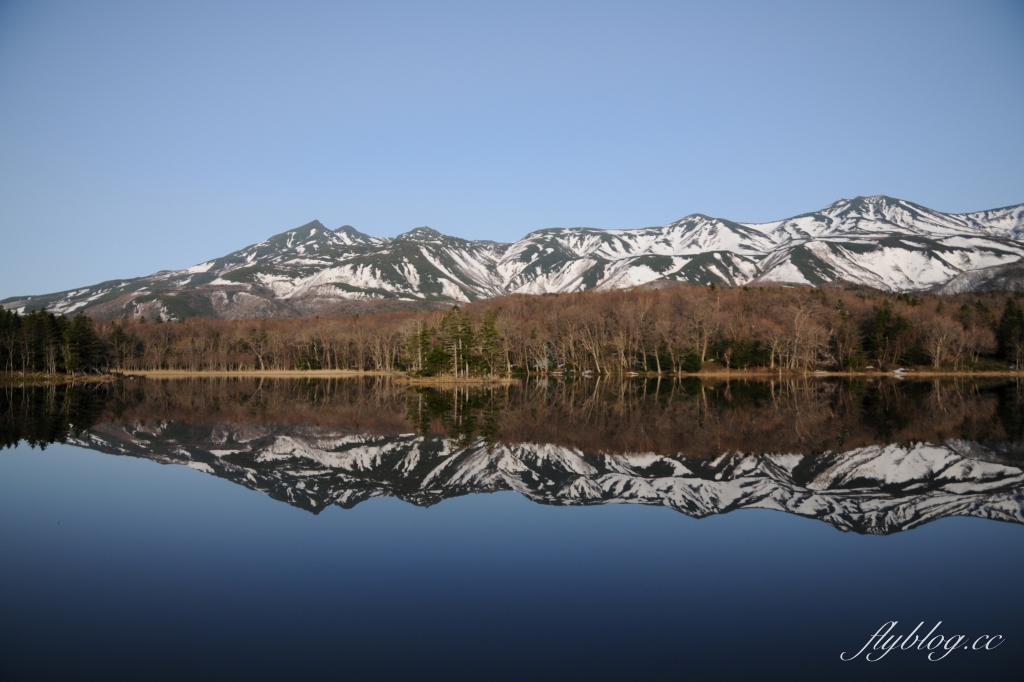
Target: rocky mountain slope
x,y
877,489
878,241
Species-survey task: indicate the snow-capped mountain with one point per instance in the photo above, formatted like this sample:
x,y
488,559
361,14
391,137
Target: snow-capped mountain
x,y
878,489
878,241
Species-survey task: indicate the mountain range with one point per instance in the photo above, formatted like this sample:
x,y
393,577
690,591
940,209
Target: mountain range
x,y
880,242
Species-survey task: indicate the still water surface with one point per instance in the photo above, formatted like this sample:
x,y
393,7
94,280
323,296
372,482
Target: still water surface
x,y
364,530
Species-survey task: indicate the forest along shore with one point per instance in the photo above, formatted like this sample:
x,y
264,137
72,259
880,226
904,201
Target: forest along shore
x,y
670,331
16,379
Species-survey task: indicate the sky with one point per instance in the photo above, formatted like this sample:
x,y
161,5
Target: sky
x,y
137,137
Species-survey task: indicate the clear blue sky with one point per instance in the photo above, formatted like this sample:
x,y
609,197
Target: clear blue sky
x,y
136,136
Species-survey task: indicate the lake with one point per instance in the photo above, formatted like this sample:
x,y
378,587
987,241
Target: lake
x,y
364,529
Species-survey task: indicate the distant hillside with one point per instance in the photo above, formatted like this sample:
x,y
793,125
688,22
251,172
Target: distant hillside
x,y
881,242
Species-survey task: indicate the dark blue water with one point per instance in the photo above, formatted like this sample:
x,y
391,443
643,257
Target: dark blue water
x,y
121,568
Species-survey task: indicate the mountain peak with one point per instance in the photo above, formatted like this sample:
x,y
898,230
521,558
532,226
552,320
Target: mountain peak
x,y
351,235
693,217
421,234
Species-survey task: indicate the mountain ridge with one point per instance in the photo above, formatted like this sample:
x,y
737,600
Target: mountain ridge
x,y
878,241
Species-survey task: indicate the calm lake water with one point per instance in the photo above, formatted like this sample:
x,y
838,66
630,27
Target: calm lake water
x,y
589,530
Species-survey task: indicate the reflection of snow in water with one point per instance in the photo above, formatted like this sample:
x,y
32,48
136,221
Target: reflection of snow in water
x,y
874,489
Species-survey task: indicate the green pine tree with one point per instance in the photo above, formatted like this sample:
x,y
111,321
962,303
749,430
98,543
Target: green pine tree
x,y
489,342
82,349
1010,331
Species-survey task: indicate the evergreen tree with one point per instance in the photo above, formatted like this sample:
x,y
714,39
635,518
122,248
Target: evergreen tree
x,y
490,341
82,349
886,335
121,345
467,343
1010,332
418,349
10,331
692,363
457,337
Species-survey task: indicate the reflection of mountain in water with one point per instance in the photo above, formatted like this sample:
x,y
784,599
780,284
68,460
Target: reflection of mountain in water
x,y
872,469
874,489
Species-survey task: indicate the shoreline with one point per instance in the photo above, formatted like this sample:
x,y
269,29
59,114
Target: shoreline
x,y
32,379
452,381
17,379
255,373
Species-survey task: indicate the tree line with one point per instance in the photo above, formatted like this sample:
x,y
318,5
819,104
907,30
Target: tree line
x,y
671,330
41,342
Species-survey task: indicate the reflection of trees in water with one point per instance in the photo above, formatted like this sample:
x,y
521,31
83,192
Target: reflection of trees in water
x,y
666,416
48,414
370,404
706,419
1010,409
460,413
